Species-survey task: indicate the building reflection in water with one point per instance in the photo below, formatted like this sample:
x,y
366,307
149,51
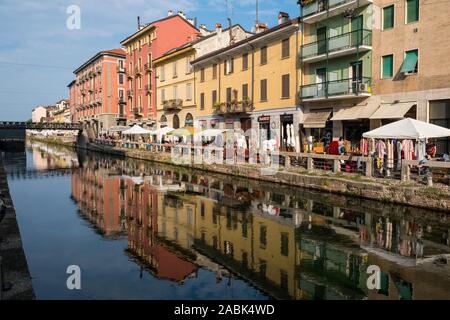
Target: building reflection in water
x,y
289,243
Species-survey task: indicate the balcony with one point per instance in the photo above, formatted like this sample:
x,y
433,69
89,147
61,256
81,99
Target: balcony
x,y
120,69
83,92
98,70
138,71
339,89
234,107
173,105
337,46
91,74
314,11
130,93
148,68
148,88
121,101
129,74
137,111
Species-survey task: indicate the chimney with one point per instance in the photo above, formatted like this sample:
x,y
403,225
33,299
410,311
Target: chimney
x,y
169,13
261,27
191,21
283,17
181,14
218,28
139,23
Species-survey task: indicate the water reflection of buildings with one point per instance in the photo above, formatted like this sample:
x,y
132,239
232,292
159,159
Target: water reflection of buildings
x,y
291,244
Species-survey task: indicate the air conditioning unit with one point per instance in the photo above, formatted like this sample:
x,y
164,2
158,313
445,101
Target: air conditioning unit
x,y
363,87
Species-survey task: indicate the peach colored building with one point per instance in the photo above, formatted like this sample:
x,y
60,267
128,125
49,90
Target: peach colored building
x,y
73,97
150,42
99,97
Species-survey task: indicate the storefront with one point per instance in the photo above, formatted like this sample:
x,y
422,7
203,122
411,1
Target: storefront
x,y
287,133
440,115
319,129
264,129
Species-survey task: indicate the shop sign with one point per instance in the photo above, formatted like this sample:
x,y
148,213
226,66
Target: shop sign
x,y
287,118
264,119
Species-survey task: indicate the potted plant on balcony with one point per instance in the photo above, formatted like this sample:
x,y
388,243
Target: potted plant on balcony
x,y
216,107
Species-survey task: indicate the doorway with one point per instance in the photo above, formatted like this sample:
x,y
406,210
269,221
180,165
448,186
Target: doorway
x,y
321,81
321,35
357,70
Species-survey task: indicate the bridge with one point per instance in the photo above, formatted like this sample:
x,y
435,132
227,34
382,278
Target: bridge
x,y
13,134
12,125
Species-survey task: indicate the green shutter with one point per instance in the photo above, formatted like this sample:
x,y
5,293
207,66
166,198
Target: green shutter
x,y
388,66
388,17
412,11
410,62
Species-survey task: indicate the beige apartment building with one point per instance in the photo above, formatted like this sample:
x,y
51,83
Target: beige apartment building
x,y
411,76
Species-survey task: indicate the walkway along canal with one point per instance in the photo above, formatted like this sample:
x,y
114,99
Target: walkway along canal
x,y
146,230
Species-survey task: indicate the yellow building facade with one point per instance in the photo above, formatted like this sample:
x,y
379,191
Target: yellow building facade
x,y
175,88
252,84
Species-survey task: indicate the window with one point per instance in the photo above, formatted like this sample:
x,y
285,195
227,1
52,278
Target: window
x,y
175,92
202,75
285,85
285,244
163,95
387,66
244,91
188,65
140,83
411,63
412,11
229,92
263,236
214,97
229,66
263,55
189,92
120,78
162,74
214,71
263,96
245,61
174,69
285,48
388,17
202,101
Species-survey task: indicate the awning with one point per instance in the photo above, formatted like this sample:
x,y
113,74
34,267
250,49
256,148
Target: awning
x,y
355,113
316,119
410,62
393,111
183,132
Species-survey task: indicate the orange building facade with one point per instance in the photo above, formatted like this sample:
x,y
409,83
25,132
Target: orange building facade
x,y
97,97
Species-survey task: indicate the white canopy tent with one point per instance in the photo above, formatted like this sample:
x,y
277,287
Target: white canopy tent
x,y
209,133
162,131
408,129
136,130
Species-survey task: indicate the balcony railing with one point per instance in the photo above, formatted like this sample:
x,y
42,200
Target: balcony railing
x,y
148,67
337,43
138,71
99,70
148,88
129,74
121,100
130,93
234,107
174,104
341,87
121,69
310,8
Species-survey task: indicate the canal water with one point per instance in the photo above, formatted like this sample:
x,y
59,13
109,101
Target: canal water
x,y
140,230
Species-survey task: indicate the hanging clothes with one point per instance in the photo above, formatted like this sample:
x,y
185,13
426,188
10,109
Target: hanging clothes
x,y
381,149
399,155
372,146
390,154
408,149
364,146
421,149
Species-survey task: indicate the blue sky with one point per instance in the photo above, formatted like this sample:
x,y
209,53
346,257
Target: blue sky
x,y
38,52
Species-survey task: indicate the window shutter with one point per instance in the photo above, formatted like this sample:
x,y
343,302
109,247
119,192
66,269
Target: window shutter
x,y
285,86
264,90
244,91
388,17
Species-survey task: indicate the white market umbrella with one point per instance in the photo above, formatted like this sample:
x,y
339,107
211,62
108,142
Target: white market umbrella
x,y
162,131
136,130
408,129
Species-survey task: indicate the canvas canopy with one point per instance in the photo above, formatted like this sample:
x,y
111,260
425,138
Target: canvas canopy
x,y
408,129
136,130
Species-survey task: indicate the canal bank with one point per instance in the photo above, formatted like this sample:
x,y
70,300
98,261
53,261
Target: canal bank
x,y
391,191
15,279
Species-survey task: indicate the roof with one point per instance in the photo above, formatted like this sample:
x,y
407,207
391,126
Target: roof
x,y
249,39
71,83
181,49
120,53
151,25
